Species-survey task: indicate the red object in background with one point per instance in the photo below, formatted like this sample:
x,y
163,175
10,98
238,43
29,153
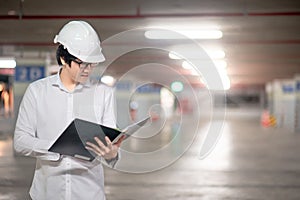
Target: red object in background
x,y
184,105
7,71
133,114
154,116
267,120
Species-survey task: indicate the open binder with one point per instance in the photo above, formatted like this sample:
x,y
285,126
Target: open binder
x,y
73,139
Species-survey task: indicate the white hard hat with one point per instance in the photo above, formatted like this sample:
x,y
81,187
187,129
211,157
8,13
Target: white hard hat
x,y
81,41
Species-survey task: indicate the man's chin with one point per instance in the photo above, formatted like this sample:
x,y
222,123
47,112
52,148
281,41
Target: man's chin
x,y
82,79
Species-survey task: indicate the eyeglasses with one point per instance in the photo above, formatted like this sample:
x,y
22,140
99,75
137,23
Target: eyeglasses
x,y
83,65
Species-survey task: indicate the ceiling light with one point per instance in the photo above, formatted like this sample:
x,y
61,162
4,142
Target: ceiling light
x,y
226,82
11,12
174,56
221,68
186,65
177,86
7,63
215,53
192,34
225,79
194,72
108,80
221,64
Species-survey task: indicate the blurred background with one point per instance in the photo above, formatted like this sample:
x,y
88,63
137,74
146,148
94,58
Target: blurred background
x,y
254,48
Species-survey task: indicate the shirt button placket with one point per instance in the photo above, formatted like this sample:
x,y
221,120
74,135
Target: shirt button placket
x,y
70,106
68,164
68,180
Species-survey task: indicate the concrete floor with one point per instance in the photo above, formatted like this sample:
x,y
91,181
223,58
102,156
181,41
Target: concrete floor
x,y
249,162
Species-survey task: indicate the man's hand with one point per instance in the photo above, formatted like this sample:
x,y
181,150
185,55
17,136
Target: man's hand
x,y
108,152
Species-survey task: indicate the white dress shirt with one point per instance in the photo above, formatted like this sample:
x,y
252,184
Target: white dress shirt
x,y
46,110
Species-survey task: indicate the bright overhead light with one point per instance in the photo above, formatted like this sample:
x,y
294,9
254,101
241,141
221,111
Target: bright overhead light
x,y
108,80
222,64
186,65
226,82
215,53
7,63
221,68
174,56
177,86
192,34
225,79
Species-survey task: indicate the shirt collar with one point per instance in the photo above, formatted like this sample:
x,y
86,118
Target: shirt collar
x,y
56,81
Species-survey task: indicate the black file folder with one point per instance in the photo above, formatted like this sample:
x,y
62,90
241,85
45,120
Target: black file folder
x,y
73,139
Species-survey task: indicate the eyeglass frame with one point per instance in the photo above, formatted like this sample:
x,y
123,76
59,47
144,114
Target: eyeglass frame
x,y
85,64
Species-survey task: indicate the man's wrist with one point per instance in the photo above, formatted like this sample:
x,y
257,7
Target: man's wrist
x,y
112,158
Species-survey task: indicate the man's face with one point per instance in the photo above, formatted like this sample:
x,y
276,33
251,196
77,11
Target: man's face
x,y
80,71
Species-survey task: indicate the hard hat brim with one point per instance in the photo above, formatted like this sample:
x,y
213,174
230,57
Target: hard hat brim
x,y
92,59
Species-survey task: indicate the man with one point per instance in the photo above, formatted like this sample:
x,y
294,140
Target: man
x,y
50,104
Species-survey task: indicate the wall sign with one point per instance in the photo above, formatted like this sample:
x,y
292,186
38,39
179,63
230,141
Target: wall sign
x,y
298,86
288,88
29,73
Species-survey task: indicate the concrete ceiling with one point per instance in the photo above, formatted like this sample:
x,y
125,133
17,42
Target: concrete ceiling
x,y
261,39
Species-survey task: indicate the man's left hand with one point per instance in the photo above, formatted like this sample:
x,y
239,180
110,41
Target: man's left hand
x,y
108,152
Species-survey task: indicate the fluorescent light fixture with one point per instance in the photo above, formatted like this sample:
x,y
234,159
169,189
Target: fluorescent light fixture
x,y
192,34
226,82
220,64
194,72
215,53
221,68
174,56
108,80
7,63
225,79
186,65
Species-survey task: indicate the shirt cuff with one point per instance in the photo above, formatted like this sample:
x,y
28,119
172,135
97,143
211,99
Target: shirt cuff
x,y
41,151
111,162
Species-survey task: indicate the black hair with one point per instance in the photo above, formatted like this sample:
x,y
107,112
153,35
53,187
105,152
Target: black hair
x,y
63,53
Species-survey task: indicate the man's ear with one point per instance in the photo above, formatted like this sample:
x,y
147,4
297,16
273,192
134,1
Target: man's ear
x,y
63,62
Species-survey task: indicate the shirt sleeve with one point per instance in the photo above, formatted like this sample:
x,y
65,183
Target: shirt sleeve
x,y
25,139
112,162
